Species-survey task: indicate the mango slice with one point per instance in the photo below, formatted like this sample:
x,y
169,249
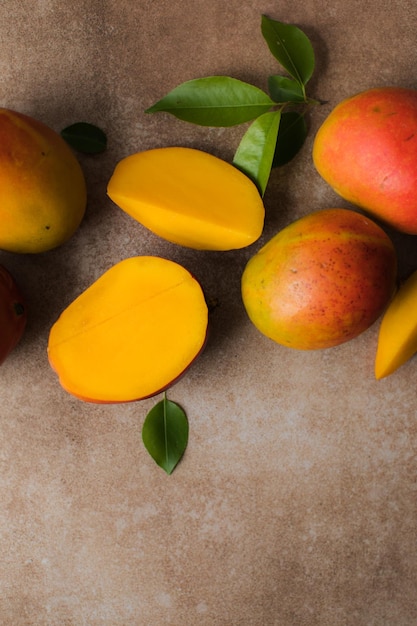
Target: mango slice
x,y
131,334
397,339
189,197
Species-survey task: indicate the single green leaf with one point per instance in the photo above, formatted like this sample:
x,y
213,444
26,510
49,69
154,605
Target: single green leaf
x,y
291,47
255,153
284,89
85,137
214,101
165,434
291,137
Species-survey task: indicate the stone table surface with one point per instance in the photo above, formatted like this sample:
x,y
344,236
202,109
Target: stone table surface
x,y
295,502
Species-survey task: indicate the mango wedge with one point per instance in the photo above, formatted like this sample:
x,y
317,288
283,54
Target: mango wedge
x,y
189,197
397,340
131,334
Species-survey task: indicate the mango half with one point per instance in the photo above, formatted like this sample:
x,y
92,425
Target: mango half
x,y
189,197
131,334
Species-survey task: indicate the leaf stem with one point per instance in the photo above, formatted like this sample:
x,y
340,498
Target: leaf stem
x,y
165,426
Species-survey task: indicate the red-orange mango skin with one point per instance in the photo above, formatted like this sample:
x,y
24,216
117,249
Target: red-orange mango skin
x,y
366,150
321,281
13,314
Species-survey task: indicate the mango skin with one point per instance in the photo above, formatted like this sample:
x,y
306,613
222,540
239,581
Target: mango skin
x,y
366,150
13,315
397,338
321,281
43,193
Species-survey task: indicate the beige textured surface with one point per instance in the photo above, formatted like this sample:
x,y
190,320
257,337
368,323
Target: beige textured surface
x,y
295,503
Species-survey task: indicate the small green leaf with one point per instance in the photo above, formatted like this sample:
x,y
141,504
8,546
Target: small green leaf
x,y
255,153
284,89
85,137
165,434
215,101
291,47
291,137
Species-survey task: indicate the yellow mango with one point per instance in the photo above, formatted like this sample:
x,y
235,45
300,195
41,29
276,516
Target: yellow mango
x,y
131,334
189,197
397,339
42,187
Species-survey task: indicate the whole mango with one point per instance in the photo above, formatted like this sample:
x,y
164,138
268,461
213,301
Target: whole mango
x,y
321,281
12,314
366,150
42,187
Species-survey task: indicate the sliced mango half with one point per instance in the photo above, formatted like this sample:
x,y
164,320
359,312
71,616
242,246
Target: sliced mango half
x,y
189,197
397,340
131,334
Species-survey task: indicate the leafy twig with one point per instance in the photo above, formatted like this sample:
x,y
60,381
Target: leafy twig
x,y
225,101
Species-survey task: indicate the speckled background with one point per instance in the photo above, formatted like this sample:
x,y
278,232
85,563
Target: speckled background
x,y
295,503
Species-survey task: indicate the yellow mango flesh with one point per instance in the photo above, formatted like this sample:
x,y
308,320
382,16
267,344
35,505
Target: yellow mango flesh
x,y
42,187
397,339
132,333
189,197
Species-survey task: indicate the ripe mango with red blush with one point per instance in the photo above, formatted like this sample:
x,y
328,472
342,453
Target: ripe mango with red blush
x,y
321,281
366,150
13,315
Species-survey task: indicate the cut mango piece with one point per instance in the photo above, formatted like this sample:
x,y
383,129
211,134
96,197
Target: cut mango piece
x,y
397,340
189,197
131,334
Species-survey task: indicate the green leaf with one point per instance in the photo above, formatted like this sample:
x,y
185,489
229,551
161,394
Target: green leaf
x,y
255,153
284,89
215,101
85,137
291,137
291,47
165,434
